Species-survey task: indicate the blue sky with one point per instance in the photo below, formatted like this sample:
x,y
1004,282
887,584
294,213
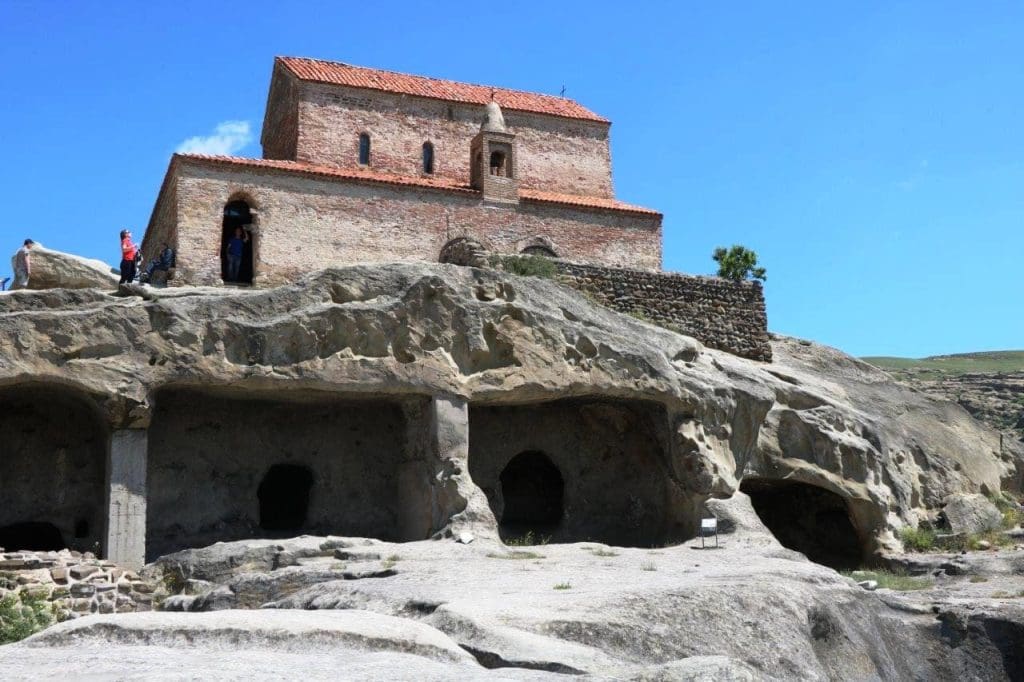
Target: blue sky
x,y
871,153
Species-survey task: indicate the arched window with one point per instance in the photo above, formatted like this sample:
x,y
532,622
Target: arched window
x,y
497,163
364,149
428,157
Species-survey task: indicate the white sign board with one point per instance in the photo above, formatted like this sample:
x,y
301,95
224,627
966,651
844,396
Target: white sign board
x,y
710,525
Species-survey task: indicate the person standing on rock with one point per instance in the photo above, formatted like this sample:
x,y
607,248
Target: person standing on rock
x,y
23,265
128,253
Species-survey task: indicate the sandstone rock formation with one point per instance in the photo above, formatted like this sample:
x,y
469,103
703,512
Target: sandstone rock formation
x,y
439,610
436,379
416,401
58,270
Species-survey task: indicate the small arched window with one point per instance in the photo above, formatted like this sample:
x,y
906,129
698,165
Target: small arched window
x,y
364,149
428,157
497,163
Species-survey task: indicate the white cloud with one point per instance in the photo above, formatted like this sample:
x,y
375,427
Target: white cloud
x,y
229,137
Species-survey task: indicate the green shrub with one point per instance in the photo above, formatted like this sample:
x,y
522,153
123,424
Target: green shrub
x,y
563,586
22,615
526,266
1010,509
917,539
737,263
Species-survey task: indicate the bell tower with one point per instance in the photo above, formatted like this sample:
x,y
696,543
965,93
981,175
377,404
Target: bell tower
x,y
493,159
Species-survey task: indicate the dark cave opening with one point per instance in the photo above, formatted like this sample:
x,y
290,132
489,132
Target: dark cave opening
x,y
532,488
284,497
38,536
808,519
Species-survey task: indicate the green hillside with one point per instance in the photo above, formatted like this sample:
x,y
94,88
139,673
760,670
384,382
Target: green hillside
x,y
964,363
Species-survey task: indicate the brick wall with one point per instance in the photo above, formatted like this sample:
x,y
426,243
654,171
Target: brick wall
x,y
721,314
308,222
281,122
554,154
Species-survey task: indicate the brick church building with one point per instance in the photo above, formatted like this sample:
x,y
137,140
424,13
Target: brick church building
x,y
361,165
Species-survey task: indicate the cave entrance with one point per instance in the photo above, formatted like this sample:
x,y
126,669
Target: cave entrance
x,y
284,497
532,489
37,536
53,446
808,519
577,470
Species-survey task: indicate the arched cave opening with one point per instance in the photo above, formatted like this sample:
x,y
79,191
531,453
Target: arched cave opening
x,y
284,497
226,464
54,449
532,489
39,536
578,470
808,519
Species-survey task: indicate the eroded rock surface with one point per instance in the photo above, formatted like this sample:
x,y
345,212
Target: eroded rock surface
x,y
749,610
488,366
57,269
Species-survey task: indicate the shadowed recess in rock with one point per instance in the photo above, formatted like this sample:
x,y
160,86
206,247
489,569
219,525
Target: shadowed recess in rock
x,y
532,488
33,535
578,469
808,519
284,497
54,457
226,465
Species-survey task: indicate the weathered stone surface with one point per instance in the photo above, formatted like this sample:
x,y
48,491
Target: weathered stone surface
x,y
748,610
971,513
58,270
448,346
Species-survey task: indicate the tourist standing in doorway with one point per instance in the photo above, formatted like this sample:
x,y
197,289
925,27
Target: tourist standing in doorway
x,y
128,252
235,249
23,265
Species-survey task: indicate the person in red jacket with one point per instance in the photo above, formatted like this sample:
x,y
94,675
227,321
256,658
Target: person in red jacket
x,y
128,252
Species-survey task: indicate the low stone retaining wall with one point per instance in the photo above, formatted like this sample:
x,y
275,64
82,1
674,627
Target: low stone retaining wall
x,y
721,314
75,584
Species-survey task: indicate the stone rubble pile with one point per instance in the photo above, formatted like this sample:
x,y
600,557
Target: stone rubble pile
x,y
76,583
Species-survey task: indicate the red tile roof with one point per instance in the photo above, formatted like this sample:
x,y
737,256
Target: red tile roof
x,y
372,176
337,73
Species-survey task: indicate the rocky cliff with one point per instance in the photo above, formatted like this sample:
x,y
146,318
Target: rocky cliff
x,y
407,392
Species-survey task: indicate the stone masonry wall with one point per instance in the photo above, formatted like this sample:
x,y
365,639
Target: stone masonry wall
x,y
76,584
721,314
307,223
553,154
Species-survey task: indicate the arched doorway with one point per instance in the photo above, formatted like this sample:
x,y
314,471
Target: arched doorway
x,y
236,225
808,519
284,497
532,489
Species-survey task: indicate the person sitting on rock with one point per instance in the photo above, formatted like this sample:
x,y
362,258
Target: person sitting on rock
x,y
164,262
23,265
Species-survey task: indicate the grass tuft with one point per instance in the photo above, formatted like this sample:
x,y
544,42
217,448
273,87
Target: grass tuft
x,y
563,586
917,539
525,266
891,580
515,555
